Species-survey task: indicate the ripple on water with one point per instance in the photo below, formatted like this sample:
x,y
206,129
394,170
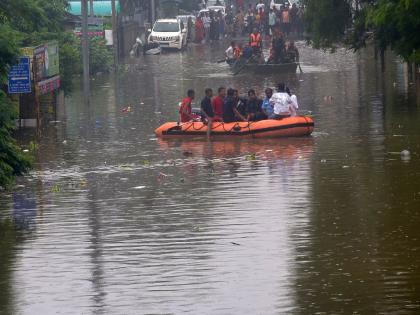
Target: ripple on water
x,y
122,222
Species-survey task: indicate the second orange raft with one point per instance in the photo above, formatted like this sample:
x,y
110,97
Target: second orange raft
x,y
269,128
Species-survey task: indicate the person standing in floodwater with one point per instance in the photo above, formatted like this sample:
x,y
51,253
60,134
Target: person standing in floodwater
x,y
199,30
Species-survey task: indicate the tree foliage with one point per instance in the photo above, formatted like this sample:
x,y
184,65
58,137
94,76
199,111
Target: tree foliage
x,y
397,25
21,21
390,23
13,161
326,21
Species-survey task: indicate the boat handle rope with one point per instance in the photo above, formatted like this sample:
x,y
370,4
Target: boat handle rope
x,y
236,125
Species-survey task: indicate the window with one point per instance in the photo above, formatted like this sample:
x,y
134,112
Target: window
x,y
166,27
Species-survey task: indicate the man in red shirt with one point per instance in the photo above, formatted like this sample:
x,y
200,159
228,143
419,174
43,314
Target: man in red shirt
x,y
185,111
217,103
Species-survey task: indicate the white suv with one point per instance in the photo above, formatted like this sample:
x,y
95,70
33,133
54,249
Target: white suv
x,y
169,33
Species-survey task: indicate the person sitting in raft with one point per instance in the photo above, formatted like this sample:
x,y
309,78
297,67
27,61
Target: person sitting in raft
x,y
240,103
207,114
278,47
270,58
230,53
237,52
295,104
267,108
185,110
217,103
230,113
247,52
292,53
255,41
253,107
281,103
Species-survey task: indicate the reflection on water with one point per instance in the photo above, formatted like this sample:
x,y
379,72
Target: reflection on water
x,y
117,221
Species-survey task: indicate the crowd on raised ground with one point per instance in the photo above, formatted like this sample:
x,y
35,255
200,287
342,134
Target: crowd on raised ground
x,y
213,25
228,106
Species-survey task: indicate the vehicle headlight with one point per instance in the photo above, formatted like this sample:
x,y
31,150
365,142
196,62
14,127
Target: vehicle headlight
x,y
177,38
152,38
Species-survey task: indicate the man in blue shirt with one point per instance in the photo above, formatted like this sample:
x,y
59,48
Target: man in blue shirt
x,y
266,106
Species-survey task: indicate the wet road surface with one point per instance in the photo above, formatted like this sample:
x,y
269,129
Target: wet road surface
x,y
113,220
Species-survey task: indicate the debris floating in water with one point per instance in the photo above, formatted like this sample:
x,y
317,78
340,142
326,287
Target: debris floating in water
x,y
146,162
251,157
323,161
233,243
126,109
405,155
55,189
139,187
161,176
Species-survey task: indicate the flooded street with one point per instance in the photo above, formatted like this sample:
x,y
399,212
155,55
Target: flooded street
x,y
115,221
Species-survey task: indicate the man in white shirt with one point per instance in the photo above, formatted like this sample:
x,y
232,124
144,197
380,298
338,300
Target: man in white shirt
x,y
230,53
271,20
282,103
294,107
260,5
206,22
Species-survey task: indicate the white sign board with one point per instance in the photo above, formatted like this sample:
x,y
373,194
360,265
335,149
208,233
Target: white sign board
x,y
108,38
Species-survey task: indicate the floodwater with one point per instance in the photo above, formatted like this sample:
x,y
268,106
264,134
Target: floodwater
x,y
115,221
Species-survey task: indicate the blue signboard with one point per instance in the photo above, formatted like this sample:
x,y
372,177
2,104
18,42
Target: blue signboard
x,y
20,77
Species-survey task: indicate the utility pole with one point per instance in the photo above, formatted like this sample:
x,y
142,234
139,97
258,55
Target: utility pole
x,y
153,11
114,33
85,49
91,8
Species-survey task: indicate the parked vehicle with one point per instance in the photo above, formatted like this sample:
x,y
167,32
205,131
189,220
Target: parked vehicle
x,y
217,8
169,33
213,8
211,3
279,3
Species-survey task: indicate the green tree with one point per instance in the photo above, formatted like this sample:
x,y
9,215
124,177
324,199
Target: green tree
x,y
20,22
101,58
326,21
390,23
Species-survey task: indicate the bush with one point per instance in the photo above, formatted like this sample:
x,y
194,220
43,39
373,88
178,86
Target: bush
x,y
100,57
13,161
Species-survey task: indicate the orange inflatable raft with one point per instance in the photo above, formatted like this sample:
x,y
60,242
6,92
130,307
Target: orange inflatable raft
x,y
270,128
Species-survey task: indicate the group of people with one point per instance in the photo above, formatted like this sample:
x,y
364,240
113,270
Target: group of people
x,y
214,25
210,25
288,19
228,106
280,50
